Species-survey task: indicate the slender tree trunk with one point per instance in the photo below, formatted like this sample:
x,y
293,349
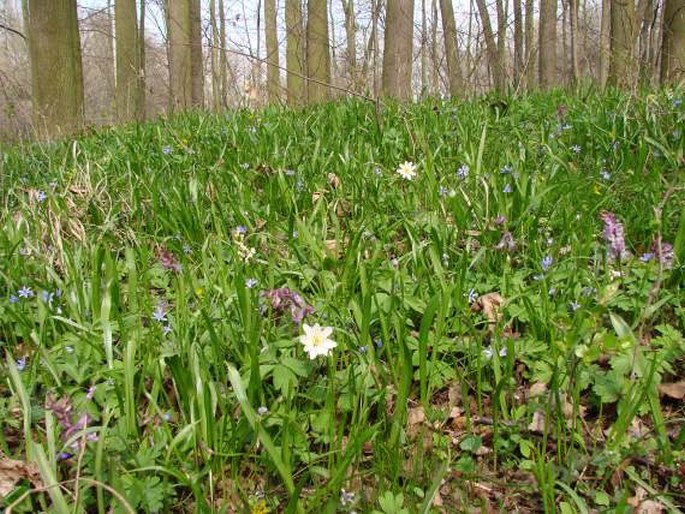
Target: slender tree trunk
x,y
178,36
531,60
197,69
434,51
449,28
371,52
648,14
318,51
273,73
294,52
128,66
575,63
605,43
548,47
502,8
140,107
622,62
518,41
494,64
673,43
223,60
214,57
56,70
397,52
351,45
424,50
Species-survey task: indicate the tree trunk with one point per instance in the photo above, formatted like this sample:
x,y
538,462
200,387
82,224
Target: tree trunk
x,y
575,63
673,43
294,52
273,73
548,40
371,52
214,57
318,51
494,64
622,60
397,52
531,60
56,70
351,36
502,8
223,60
128,66
178,36
449,28
197,68
140,107
518,41
424,50
605,43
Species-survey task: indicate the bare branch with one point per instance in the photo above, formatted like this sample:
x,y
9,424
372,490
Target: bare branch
x,y
13,31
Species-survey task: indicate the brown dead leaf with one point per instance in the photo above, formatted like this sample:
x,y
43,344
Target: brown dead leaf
x,y
537,389
491,304
643,505
333,180
316,196
12,471
538,423
332,247
676,390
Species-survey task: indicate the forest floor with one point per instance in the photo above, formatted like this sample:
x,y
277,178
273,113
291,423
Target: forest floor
x,y
441,307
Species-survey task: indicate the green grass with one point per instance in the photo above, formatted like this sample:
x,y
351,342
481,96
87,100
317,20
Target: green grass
x,y
466,374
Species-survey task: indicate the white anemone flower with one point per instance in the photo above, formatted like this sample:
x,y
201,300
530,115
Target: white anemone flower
x,y
407,170
316,340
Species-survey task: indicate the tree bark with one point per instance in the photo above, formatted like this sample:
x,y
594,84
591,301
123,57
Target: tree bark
x,y
548,47
502,8
318,51
494,64
518,41
622,59
531,60
673,43
575,63
294,52
197,69
449,28
397,53
56,69
273,73
128,65
605,43
351,45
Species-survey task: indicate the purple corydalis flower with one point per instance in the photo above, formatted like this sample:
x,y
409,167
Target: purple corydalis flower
x,y
613,235
63,412
506,243
167,259
500,220
663,253
284,299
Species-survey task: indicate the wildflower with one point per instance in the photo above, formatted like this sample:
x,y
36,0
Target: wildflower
x,y
166,150
500,220
289,172
41,196
296,234
443,191
316,340
25,292
64,456
677,102
166,416
62,410
245,165
646,257
445,259
21,363
262,411
576,149
507,188
363,349
283,299
346,497
506,169
378,343
167,259
588,291
573,306
506,243
239,231
394,262
407,170
377,171
14,298
463,172
187,249
166,330
663,253
605,174
613,235
552,291
260,508
69,349
472,295
91,392
251,282
546,262
160,313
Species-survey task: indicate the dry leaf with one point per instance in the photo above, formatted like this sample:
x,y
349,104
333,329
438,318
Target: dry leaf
x,y
332,248
643,505
538,423
675,390
333,180
12,471
491,305
537,389
316,196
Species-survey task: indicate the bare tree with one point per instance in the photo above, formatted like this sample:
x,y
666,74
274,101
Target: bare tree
x,y
318,51
397,52
186,76
273,73
56,69
531,61
518,40
294,51
605,43
351,36
494,64
673,44
449,28
129,69
548,43
622,60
